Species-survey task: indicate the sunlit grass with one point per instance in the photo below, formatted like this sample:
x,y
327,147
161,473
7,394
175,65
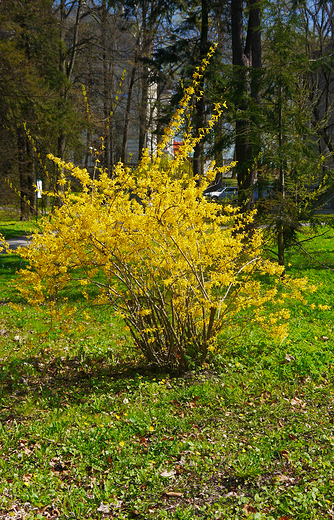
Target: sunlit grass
x,y
13,228
86,428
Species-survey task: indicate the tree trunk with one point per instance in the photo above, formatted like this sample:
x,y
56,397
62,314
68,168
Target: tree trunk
x,y
107,108
127,112
256,62
198,158
245,83
25,167
241,69
280,234
143,111
145,53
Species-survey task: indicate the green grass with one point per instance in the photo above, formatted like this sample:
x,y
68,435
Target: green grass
x,y
86,429
11,228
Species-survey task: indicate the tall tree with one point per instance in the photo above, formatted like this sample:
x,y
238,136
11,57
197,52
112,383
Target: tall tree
x,y
290,153
317,23
198,159
69,14
27,62
246,54
149,17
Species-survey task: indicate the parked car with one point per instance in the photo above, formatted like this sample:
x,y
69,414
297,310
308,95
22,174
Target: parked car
x,y
221,194
231,193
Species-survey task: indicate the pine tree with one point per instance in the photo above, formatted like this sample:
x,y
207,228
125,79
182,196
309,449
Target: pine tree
x,y
290,157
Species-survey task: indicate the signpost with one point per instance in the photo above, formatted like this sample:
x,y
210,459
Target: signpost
x,y
39,189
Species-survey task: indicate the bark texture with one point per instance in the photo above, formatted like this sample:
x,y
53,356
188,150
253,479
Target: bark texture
x,y
247,64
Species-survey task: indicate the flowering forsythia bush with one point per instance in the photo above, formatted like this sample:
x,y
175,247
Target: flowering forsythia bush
x,y
172,264
175,266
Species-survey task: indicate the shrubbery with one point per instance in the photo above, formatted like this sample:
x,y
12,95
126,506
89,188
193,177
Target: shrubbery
x,y
177,267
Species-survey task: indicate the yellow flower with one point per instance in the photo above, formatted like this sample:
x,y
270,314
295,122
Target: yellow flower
x,y
170,263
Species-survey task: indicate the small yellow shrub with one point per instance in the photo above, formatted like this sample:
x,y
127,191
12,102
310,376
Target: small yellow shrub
x,y
175,266
172,264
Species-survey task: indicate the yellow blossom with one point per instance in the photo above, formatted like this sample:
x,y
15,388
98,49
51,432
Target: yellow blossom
x,y
175,267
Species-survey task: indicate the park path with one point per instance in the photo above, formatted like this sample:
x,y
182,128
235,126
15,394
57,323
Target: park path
x,y
14,243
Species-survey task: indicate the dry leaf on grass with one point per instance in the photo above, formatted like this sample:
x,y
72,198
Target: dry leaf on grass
x,y
103,508
248,509
168,474
297,403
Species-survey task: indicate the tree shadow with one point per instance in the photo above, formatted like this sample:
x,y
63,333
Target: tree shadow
x,y
71,380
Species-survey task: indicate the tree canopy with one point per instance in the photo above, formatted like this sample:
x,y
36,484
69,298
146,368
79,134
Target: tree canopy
x,y
272,65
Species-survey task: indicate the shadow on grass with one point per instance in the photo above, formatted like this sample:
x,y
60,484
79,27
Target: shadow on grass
x,y
73,379
10,227
9,264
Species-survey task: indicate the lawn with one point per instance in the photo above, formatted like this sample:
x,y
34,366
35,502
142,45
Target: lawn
x,y
87,432
13,228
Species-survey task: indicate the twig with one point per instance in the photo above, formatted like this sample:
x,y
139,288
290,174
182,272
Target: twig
x,y
318,261
311,238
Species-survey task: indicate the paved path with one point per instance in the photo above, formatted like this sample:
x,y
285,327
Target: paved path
x,y
14,243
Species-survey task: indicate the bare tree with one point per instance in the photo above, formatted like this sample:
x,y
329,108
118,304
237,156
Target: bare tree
x,y
246,56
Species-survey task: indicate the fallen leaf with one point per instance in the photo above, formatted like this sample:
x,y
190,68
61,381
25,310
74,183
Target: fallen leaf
x,y
297,402
116,504
103,508
265,395
249,509
285,455
285,478
192,403
168,474
173,494
289,358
